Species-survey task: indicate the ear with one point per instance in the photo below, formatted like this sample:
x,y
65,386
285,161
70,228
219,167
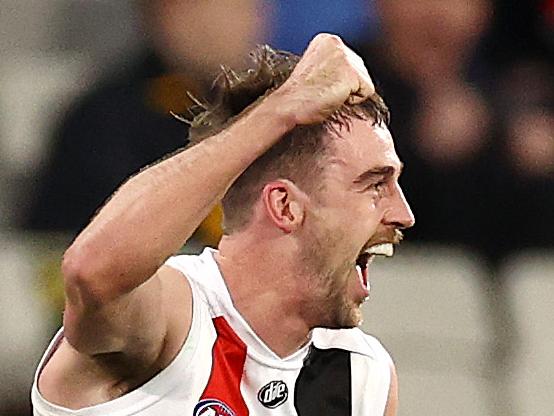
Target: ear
x,y
284,204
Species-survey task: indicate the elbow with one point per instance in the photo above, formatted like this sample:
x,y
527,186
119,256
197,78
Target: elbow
x,y
83,298
81,279
72,266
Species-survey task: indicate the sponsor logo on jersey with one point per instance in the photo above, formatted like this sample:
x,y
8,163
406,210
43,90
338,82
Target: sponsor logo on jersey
x,y
273,394
212,407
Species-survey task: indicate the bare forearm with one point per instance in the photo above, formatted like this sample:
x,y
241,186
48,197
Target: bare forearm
x,y
151,216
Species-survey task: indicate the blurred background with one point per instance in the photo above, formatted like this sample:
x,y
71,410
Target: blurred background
x,y
466,306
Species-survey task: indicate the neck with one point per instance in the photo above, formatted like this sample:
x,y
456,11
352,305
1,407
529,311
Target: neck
x,y
266,290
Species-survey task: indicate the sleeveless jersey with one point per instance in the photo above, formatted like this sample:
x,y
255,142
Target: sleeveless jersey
x,y
224,369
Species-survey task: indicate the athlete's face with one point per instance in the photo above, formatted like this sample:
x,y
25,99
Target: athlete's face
x,y
361,205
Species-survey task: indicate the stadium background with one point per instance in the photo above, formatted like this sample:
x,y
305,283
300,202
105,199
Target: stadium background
x,y
466,311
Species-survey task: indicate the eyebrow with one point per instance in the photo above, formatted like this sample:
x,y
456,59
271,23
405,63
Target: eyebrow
x,y
373,173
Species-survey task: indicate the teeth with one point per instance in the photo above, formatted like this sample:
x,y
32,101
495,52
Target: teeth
x,y
386,249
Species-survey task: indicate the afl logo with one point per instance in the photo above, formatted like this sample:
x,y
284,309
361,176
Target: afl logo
x,y
273,394
212,407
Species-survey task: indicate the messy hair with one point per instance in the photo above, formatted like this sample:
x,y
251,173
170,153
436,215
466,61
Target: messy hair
x,y
299,156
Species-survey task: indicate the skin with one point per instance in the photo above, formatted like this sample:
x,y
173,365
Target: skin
x,y
315,240
127,316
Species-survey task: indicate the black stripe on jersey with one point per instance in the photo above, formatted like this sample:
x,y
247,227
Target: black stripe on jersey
x,y
324,385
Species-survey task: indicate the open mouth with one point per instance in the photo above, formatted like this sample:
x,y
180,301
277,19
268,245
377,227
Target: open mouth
x,y
367,255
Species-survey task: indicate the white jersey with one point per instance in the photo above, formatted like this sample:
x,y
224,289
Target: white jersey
x,y
224,369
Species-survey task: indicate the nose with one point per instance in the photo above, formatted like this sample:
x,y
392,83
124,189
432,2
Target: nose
x,y
399,213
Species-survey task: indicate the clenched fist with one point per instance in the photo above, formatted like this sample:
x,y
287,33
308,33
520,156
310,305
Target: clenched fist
x,y
328,75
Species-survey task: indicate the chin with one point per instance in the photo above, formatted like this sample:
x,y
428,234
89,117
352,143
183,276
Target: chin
x,y
341,325
355,320
345,318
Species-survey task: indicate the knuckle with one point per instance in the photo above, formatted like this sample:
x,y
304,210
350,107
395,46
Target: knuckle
x,y
334,38
343,58
330,39
358,59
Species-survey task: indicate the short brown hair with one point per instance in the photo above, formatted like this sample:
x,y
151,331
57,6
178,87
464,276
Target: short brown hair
x,y
297,156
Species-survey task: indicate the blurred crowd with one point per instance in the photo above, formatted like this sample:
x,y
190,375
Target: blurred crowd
x,y
470,85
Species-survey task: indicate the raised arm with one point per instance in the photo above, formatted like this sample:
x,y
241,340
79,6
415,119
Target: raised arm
x,y
116,292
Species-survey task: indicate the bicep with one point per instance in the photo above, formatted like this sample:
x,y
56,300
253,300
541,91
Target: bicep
x,y
139,324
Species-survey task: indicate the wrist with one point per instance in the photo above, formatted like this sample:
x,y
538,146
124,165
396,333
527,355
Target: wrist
x,y
278,105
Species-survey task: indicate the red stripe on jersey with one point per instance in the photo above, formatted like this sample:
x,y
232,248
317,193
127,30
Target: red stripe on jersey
x,y
229,355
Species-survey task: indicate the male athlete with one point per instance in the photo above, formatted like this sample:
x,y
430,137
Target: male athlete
x,y
299,154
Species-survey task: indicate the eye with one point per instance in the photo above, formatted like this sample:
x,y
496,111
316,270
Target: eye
x,y
378,187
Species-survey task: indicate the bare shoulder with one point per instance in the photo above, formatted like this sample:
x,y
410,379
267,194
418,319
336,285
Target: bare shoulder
x,y
177,307
74,379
